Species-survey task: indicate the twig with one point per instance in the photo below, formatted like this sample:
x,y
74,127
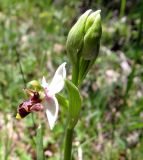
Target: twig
x,y
20,66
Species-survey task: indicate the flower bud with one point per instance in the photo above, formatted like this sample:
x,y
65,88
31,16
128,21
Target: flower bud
x,y
76,36
90,19
84,37
92,36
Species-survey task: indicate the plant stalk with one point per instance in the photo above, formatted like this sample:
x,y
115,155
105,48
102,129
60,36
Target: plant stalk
x,y
75,72
68,144
69,134
39,143
122,8
70,131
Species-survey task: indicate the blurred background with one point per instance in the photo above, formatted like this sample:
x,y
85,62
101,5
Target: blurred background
x,y
32,44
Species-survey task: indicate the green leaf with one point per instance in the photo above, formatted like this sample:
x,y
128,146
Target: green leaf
x,y
135,125
39,143
74,103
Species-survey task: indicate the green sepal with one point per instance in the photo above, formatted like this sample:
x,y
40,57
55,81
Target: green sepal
x,y
74,103
62,100
84,67
34,85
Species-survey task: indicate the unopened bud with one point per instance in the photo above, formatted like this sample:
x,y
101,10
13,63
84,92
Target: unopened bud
x,y
92,36
84,37
76,36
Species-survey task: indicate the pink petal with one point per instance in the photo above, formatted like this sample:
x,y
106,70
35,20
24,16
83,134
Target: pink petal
x,y
37,107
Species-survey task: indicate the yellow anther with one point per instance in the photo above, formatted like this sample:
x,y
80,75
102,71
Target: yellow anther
x,y
18,116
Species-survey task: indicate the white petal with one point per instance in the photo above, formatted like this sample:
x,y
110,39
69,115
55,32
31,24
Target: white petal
x,y
44,83
51,109
57,82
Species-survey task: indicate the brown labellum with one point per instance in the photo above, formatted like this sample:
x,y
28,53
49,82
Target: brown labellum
x,y
33,104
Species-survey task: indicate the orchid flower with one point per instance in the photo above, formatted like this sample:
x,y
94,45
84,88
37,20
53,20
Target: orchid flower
x,y
37,98
51,105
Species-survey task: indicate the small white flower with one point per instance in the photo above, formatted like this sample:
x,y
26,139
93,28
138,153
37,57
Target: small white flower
x,y
51,102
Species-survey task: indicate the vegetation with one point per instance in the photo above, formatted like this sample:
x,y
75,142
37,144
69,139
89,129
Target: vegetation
x,y
33,38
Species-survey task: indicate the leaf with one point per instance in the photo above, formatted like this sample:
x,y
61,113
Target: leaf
x,y
74,103
135,125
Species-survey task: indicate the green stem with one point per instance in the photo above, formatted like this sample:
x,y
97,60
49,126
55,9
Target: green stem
x,y
75,72
39,143
69,131
130,81
68,144
122,9
20,66
140,28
